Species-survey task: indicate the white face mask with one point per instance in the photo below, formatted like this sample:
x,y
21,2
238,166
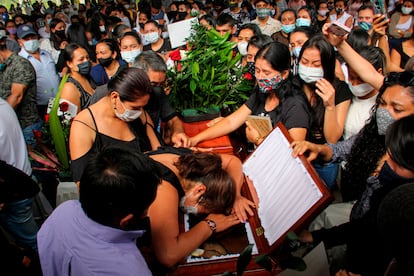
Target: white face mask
x,y
128,115
152,37
360,90
406,10
129,56
102,28
242,46
189,209
310,74
31,46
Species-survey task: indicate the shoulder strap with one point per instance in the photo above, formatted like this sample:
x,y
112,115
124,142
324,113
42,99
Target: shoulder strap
x,y
93,119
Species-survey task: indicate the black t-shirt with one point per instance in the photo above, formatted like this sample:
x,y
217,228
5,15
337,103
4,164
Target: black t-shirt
x,y
159,106
294,111
166,46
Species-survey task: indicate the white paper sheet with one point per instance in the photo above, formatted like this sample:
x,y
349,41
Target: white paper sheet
x,y
179,31
285,189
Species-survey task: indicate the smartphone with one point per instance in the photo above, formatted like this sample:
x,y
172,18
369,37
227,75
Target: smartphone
x,y
379,7
338,29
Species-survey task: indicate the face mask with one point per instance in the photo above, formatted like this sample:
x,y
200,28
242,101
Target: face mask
x,y
288,28
267,85
66,10
152,37
251,67
323,12
233,5
384,119
129,56
170,14
406,10
126,6
102,28
49,20
189,209
365,25
128,115
105,62
182,15
2,67
12,30
310,74
141,25
84,68
90,43
302,22
262,13
389,177
242,46
61,34
272,13
339,10
31,46
296,51
360,90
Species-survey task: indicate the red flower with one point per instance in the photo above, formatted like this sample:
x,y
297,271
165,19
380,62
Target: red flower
x,y
47,118
175,55
248,76
64,106
37,134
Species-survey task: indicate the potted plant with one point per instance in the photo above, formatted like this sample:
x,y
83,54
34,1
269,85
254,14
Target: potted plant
x,y
208,77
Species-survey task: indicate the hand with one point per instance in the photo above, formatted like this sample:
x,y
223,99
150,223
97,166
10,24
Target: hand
x,y
161,21
380,24
192,142
251,133
331,37
180,140
242,208
300,147
63,44
306,236
326,91
223,222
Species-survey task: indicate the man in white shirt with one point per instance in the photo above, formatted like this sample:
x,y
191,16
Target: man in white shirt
x,y
267,24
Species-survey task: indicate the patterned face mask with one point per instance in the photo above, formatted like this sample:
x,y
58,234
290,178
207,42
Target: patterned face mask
x,y
384,119
267,85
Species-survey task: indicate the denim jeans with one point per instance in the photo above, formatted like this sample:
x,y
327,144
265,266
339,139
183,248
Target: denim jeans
x,y
328,172
17,219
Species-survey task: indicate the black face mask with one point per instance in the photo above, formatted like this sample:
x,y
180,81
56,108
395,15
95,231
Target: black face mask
x,y
141,25
388,177
172,14
61,34
251,68
84,68
105,62
182,15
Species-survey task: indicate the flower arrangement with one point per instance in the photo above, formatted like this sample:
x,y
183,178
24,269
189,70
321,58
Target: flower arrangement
x,y
208,74
51,151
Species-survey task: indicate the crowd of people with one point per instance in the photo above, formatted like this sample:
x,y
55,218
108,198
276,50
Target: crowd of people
x,y
337,74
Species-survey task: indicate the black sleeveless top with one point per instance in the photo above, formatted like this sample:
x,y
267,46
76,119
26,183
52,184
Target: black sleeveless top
x,y
85,98
101,141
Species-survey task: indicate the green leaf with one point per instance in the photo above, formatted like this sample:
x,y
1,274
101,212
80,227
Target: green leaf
x,y
193,85
195,68
244,259
56,129
264,261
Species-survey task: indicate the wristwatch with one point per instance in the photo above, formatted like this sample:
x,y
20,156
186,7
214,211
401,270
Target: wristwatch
x,y
211,224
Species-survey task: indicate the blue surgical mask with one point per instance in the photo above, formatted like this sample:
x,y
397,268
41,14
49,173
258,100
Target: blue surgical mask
x,y
152,37
49,20
365,25
128,115
303,22
32,45
129,56
296,51
288,28
310,74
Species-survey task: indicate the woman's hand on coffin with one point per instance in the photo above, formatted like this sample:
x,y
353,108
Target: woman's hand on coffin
x,y
223,222
304,147
252,134
306,236
242,208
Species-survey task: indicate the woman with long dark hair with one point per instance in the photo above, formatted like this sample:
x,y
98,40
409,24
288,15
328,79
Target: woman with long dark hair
x,y
57,42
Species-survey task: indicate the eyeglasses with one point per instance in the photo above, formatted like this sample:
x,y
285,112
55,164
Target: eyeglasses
x,y
405,78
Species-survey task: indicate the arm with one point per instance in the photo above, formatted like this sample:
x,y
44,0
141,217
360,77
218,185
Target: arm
x,y
81,136
395,58
16,95
171,246
242,206
71,94
324,152
178,136
360,65
150,131
223,127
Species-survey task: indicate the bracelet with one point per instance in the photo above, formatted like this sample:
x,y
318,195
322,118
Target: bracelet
x,y
211,224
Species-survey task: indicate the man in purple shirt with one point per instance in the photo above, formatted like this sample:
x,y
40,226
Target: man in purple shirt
x,y
96,235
